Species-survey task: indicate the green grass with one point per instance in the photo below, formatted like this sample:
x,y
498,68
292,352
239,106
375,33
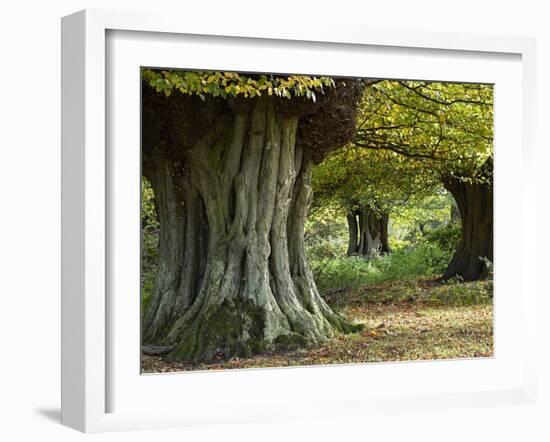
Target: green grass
x,y
349,273
421,290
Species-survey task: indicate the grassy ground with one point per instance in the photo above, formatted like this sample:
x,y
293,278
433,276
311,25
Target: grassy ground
x,y
412,319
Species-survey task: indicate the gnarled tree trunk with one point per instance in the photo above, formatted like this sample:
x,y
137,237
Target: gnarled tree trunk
x,y
244,284
475,204
251,298
368,232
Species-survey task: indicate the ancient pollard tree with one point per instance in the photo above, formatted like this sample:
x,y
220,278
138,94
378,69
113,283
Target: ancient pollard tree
x,y
230,157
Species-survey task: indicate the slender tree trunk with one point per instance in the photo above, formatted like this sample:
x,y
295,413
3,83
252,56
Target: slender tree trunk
x,y
373,232
353,232
475,204
249,300
384,237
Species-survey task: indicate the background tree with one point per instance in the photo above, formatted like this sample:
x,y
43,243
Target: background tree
x,y
230,158
367,185
447,127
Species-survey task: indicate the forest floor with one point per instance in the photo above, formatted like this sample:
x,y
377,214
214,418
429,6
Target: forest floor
x,y
406,320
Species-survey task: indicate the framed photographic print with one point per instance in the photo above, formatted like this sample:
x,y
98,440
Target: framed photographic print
x,y
269,222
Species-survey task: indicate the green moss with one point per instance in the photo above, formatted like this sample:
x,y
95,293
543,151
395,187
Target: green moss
x,y
235,328
291,341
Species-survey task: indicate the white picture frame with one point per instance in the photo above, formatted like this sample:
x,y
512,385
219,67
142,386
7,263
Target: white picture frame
x,y
87,317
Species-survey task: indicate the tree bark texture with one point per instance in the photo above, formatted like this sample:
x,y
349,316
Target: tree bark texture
x,y
182,238
254,186
475,204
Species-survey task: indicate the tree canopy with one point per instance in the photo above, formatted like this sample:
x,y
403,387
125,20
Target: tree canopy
x,y
410,136
448,125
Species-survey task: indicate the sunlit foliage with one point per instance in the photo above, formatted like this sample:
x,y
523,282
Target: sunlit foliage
x,y
410,134
448,125
233,84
